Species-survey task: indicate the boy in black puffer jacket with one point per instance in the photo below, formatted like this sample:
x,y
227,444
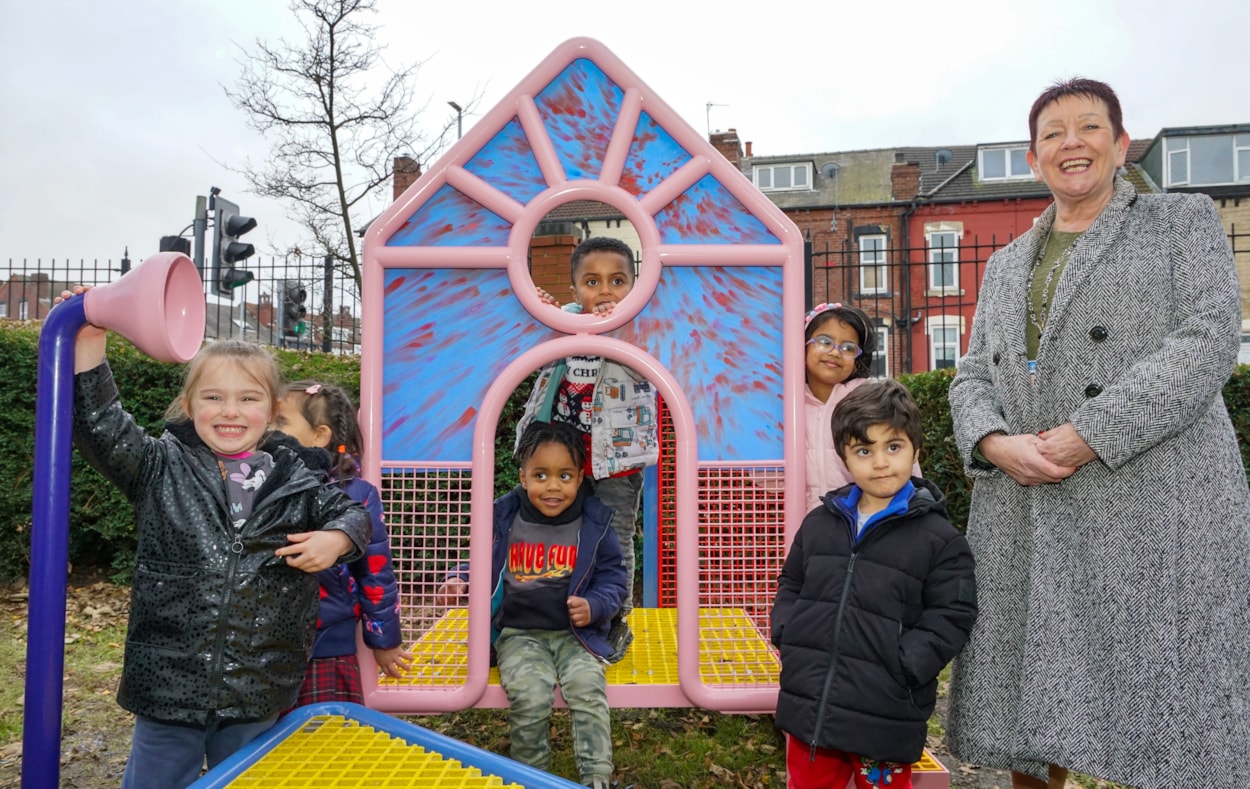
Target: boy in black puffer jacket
x,y
877,595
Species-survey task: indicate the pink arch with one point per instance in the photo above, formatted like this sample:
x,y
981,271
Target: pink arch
x,y
585,335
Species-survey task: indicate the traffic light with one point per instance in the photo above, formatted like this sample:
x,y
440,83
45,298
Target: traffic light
x,y
227,249
293,310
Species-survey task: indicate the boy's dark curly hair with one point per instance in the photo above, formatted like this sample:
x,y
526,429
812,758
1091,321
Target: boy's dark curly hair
x,y
600,244
538,433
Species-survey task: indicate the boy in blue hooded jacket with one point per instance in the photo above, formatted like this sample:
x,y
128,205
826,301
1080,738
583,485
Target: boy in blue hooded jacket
x,y
559,580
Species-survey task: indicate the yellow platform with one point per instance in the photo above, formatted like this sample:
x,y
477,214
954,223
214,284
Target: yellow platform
x,y
332,745
732,651
340,750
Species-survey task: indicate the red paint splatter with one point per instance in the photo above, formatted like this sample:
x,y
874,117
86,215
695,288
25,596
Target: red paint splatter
x,y
458,425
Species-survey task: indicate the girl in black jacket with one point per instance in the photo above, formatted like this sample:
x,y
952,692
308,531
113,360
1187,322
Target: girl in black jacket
x,y
231,527
876,596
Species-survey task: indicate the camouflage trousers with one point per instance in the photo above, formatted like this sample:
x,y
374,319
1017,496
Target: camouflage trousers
x,y
531,664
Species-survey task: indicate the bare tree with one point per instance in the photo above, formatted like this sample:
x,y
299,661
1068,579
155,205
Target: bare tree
x,y
334,130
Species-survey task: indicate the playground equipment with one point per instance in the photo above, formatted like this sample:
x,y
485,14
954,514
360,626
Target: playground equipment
x,y
714,322
338,744
453,326
168,325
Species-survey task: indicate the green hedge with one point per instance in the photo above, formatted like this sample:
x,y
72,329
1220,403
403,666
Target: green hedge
x,y
101,523
101,520
939,459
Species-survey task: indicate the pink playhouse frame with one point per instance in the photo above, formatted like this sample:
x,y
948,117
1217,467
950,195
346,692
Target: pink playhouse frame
x,y
717,257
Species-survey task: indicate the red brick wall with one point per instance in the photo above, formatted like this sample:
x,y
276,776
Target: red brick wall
x,y
406,171
837,275
905,181
728,144
549,264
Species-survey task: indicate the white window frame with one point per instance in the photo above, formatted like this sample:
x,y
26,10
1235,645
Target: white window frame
x,y
1005,152
937,328
882,354
877,261
1177,149
942,255
763,176
1241,144
23,310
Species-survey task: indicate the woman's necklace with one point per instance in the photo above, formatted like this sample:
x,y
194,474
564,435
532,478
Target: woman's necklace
x,y
1039,320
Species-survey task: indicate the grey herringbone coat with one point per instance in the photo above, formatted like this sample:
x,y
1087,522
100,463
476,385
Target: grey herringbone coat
x,y
1114,634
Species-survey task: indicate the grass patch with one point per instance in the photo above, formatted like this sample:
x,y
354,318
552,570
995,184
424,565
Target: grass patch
x,y
651,747
12,678
93,665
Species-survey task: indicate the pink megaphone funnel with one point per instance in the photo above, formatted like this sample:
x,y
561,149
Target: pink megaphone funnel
x,y
159,306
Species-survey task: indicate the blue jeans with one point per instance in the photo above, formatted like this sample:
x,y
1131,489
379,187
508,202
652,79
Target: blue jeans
x,y
171,756
623,495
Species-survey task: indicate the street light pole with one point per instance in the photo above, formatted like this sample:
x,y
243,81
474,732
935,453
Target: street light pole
x,y
459,114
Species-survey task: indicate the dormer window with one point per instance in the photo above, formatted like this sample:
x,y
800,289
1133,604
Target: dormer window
x,y
1006,163
782,177
1208,160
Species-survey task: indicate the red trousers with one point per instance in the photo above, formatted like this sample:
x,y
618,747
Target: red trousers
x,y
829,769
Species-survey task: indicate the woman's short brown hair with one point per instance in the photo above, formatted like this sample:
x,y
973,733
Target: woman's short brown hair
x,y
1077,86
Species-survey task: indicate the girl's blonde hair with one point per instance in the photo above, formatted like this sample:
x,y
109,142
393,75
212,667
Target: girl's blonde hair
x,y
330,405
254,360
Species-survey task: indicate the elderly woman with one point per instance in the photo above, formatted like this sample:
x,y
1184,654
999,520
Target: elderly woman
x,y
1110,516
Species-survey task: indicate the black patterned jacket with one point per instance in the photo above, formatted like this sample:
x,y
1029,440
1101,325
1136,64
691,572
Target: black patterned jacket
x,y
219,626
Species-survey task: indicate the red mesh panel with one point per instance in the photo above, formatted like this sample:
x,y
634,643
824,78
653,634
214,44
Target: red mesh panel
x,y
741,532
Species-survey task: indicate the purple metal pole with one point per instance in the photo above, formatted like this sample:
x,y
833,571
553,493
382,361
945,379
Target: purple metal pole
x,y
49,546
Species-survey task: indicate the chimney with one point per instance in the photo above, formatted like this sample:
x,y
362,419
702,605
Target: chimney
x,y
748,149
727,143
905,180
406,171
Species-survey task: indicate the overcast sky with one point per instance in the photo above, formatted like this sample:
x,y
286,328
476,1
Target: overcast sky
x,y
115,118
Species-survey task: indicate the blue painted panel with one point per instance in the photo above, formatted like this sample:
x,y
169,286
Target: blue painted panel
x,y
707,213
450,219
718,330
711,327
580,108
448,334
507,163
653,156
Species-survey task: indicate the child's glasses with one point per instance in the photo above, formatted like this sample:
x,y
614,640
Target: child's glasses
x,y
825,344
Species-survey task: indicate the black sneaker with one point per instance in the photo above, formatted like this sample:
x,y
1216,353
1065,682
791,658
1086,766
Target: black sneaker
x,y
619,638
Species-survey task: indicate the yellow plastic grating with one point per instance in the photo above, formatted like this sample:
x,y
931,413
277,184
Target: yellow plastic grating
x,y
731,651
330,750
927,764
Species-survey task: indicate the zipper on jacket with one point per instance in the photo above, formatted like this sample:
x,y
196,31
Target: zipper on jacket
x,y
236,555
232,566
833,655
586,579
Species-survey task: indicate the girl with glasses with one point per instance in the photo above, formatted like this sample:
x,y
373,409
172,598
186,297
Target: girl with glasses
x,y
840,342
